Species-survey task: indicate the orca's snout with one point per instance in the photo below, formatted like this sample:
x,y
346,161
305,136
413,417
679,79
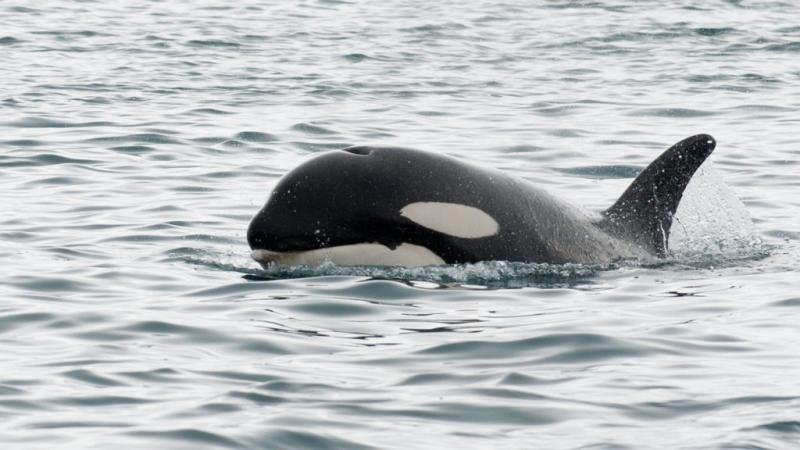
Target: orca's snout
x,y
256,237
261,236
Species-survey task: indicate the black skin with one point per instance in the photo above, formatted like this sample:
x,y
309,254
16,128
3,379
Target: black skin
x,y
645,211
355,195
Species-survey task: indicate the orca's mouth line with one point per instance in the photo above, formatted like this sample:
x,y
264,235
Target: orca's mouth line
x,y
366,254
269,256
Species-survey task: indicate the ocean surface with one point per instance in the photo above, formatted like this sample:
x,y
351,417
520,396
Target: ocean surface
x,y
138,138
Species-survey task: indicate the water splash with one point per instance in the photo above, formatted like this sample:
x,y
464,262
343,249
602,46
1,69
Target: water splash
x,y
712,226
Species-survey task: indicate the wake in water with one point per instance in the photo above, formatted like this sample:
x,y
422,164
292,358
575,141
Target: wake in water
x,y
488,274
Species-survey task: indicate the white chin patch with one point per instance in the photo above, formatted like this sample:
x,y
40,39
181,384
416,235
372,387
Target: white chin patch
x,y
451,218
405,255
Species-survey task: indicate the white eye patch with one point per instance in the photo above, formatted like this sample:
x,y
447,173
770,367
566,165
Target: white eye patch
x,y
451,218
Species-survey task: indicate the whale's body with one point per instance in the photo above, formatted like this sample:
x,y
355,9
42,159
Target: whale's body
x,y
396,206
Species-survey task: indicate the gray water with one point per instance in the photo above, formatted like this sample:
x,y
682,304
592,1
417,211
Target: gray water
x,y
137,139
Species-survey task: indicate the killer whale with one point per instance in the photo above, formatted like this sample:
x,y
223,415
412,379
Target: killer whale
x,y
402,207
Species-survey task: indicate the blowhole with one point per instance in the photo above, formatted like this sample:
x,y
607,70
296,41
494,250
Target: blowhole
x,y
363,151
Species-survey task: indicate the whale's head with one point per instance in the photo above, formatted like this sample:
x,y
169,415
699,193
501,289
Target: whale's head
x,y
364,206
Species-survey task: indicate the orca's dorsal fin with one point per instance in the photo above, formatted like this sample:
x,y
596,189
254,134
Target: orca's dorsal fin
x,y
644,212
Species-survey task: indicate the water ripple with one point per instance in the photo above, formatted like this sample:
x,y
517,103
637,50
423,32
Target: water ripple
x,y
42,122
563,348
136,147
308,128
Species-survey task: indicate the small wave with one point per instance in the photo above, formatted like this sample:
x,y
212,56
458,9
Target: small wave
x,y
684,113
284,439
312,129
711,31
233,143
566,348
319,146
190,436
636,36
133,149
90,377
604,172
83,33
322,90
24,143
792,47
784,426
717,253
206,111
153,138
212,43
256,136
41,122
44,159
434,28
24,10
355,57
